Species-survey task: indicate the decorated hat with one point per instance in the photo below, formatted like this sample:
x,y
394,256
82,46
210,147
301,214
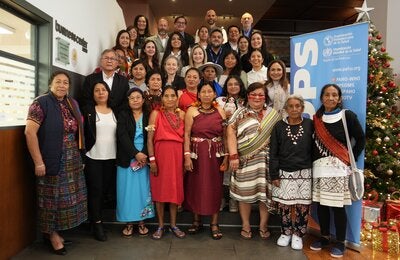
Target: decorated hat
x,y
217,67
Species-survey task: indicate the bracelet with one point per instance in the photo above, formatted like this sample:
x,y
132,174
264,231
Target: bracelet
x,y
152,159
186,153
40,165
233,157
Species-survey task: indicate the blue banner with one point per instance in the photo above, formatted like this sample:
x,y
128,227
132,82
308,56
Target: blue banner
x,y
340,56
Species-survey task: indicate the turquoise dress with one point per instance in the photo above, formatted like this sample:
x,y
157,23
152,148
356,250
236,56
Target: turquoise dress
x,y
134,201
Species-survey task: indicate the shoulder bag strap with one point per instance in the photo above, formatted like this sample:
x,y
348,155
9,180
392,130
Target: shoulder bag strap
x,y
349,148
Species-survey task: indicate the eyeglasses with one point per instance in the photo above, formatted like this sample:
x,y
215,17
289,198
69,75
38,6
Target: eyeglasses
x,y
109,59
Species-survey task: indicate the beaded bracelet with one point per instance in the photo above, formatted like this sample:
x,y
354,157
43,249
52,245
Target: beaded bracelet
x,y
152,159
233,157
186,153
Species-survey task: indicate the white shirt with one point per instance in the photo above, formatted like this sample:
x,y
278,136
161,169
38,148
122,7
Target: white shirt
x,y
106,138
256,76
108,80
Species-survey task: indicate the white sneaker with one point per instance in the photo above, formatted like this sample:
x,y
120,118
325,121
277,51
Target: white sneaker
x,y
297,242
283,240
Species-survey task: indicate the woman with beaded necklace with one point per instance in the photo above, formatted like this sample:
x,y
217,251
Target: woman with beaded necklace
x,y
290,163
204,159
165,146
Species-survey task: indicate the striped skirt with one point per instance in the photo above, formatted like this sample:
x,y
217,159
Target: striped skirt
x,y
62,199
250,183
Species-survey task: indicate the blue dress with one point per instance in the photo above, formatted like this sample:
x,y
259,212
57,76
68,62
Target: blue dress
x,y
134,201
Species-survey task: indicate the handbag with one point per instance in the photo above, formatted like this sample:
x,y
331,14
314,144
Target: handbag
x,y
356,177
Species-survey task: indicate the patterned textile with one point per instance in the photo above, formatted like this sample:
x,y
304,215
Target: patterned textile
x,y
299,226
62,199
250,183
295,187
332,191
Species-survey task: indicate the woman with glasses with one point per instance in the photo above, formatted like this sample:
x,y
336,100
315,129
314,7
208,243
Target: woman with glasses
x,y
134,203
248,133
100,141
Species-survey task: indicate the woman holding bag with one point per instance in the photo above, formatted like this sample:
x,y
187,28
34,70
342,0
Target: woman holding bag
x,y
331,165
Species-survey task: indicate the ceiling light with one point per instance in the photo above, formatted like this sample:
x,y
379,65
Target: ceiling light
x,y
5,29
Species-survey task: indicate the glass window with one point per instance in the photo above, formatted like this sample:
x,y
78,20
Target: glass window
x,y
17,36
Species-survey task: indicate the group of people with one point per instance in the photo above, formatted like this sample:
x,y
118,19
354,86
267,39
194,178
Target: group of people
x,y
154,138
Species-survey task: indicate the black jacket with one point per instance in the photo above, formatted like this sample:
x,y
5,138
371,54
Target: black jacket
x,y
126,129
119,88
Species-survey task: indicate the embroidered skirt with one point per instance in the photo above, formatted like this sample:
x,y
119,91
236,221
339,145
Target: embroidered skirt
x,y
332,191
62,199
295,187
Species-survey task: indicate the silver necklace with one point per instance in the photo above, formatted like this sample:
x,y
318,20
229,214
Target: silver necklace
x,y
294,137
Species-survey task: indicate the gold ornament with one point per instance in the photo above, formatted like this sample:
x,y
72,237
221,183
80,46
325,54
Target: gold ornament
x,y
389,172
378,140
382,105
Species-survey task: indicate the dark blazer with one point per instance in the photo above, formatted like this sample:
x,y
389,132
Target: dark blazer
x,y
118,99
246,65
178,83
89,115
126,129
189,39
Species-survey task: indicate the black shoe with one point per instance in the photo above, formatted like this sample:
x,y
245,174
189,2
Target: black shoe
x,y
98,232
46,241
61,251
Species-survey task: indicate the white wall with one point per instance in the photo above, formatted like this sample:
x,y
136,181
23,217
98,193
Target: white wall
x,y
386,18
97,21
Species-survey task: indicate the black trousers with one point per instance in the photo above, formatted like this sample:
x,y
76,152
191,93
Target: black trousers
x,y
100,181
340,220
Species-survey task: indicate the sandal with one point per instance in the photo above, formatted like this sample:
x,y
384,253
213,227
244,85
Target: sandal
x,y
127,232
264,234
177,232
158,234
195,228
215,234
246,234
143,230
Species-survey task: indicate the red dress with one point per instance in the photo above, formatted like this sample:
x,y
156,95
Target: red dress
x,y
203,186
186,99
168,150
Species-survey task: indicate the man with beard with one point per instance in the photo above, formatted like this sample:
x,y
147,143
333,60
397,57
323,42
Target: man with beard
x,y
161,38
211,19
215,50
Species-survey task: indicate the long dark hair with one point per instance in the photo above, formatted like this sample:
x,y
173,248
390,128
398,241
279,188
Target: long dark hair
x,y
135,23
117,44
238,68
143,56
321,109
184,49
242,92
265,54
108,90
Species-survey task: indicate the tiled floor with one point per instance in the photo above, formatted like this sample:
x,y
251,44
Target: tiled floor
x,y
199,246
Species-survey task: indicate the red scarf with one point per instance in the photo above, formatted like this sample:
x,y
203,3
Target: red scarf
x,y
330,142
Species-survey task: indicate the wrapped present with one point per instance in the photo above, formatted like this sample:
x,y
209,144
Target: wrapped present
x,y
393,206
385,237
371,212
366,232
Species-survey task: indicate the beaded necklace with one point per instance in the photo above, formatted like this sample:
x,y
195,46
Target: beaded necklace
x,y
294,137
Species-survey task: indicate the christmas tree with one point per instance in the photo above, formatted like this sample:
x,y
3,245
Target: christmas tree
x,y
382,153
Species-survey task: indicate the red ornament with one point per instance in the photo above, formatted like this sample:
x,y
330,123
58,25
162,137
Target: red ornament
x,y
372,59
383,49
396,144
392,84
386,65
375,153
388,115
383,89
370,38
371,76
379,36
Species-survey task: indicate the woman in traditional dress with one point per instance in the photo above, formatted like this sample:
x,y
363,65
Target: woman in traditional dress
x,y
277,85
249,131
152,95
101,146
330,166
165,146
188,96
54,135
233,94
122,42
133,183
205,159
290,161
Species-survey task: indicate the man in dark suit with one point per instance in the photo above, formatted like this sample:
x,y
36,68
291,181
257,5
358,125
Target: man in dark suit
x,y
233,37
215,50
118,84
180,26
